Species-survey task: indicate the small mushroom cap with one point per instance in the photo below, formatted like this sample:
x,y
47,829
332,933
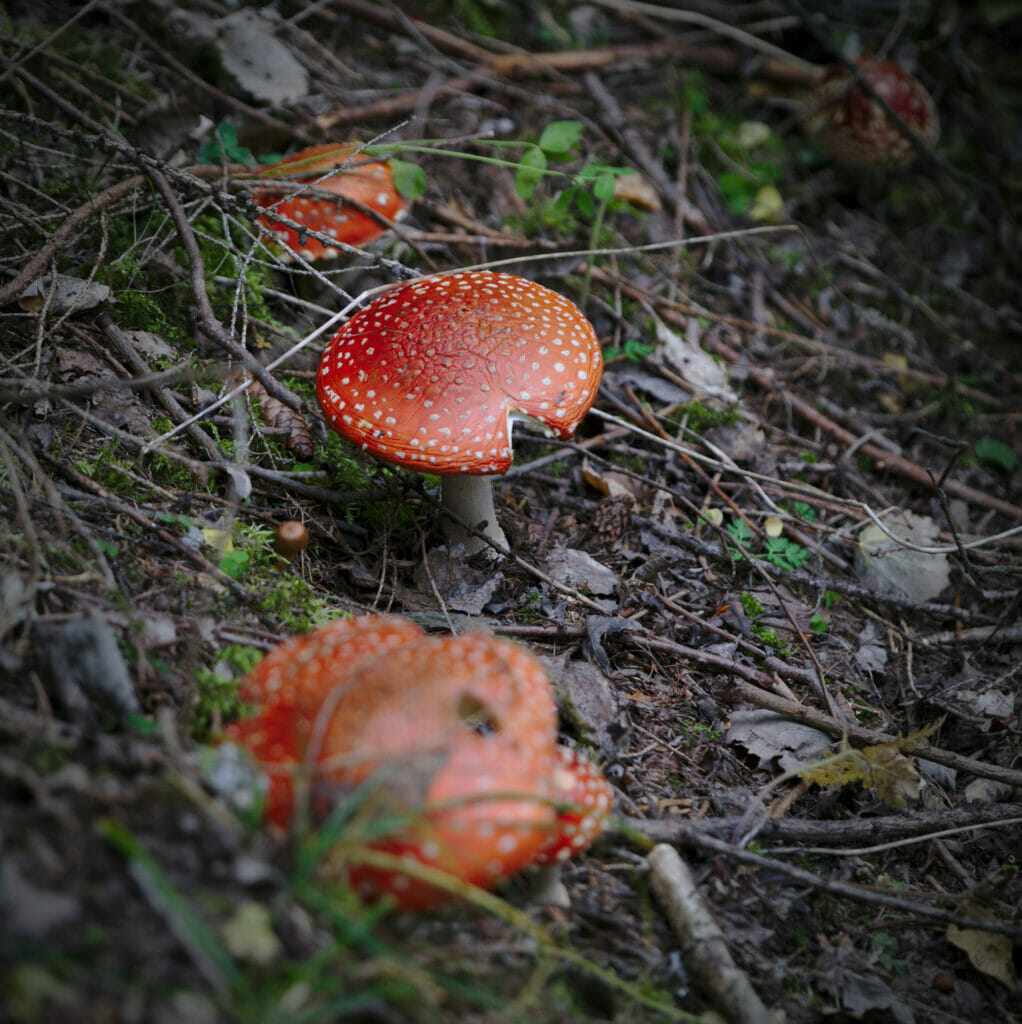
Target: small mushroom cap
x,y
369,182
584,797
430,374
857,131
290,539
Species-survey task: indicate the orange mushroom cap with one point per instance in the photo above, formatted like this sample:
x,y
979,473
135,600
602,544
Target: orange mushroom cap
x,y
457,735
584,797
856,130
369,182
430,375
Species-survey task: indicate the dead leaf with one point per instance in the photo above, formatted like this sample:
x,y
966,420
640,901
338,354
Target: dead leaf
x,y
696,366
987,951
771,737
893,569
871,655
460,587
259,62
249,935
577,569
150,344
587,698
69,293
637,190
608,483
768,205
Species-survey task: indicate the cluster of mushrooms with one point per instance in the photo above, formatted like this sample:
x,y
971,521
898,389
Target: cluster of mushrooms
x,y
453,740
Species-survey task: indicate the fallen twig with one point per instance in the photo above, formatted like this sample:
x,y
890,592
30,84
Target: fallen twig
x,y
702,942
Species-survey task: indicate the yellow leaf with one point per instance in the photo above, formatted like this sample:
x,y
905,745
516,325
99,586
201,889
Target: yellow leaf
x,y
986,951
218,539
638,191
768,205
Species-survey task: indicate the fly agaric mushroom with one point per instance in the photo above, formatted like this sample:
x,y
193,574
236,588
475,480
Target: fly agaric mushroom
x,y
856,130
456,735
432,374
324,169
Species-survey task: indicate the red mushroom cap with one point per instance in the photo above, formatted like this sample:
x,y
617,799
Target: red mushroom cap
x,y
369,182
585,798
857,130
430,374
456,733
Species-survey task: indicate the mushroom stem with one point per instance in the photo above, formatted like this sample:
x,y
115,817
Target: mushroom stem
x,y
471,500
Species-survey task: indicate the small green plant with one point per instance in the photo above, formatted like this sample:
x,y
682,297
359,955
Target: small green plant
x,y
632,349
778,551
217,700
740,530
886,949
996,454
818,623
785,554
223,147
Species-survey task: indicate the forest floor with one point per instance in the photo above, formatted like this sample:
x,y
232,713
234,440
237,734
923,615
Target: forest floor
x,y
784,542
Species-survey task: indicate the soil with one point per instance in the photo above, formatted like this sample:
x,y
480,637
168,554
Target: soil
x,y
799,356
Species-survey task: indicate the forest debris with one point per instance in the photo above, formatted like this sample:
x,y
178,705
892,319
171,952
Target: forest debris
x,y
62,295
587,698
771,737
578,569
871,655
275,414
702,942
248,934
987,952
259,62
892,568
30,911
695,365
81,661
637,190
461,588
856,986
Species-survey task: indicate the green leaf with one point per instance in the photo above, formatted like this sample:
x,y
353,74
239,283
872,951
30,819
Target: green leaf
x,y
224,146
560,137
409,178
603,188
234,563
785,554
996,453
586,203
818,623
531,168
740,530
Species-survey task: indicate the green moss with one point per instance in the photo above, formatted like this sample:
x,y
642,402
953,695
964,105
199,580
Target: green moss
x,y
699,418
